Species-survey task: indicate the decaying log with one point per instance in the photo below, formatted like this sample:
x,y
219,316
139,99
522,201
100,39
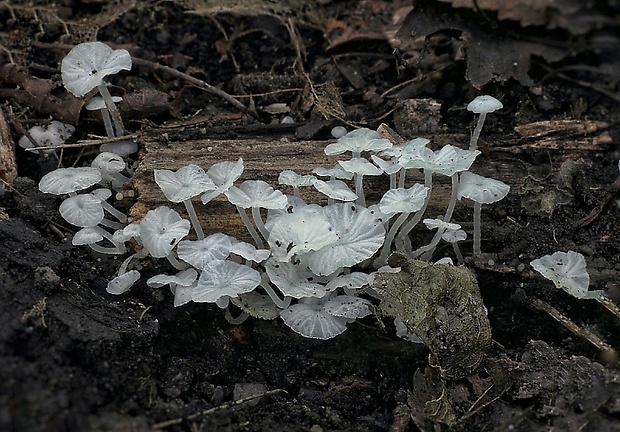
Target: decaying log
x,y
265,158
8,166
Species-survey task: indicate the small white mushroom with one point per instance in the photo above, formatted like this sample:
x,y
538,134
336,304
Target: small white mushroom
x,y
220,278
358,141
360,167
223,175
481,190
481,105
567,270
291,178
161,230
123,282
69,180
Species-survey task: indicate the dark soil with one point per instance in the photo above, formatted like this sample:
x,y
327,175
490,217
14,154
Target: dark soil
x,y
74,358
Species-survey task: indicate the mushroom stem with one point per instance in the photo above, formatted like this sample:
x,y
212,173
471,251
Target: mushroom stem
x,y
235,321
104,250
122,217
401,177
387,245
258,220
430,248
114,114
477,227
193,217
281,303
175,262
359,190
458,254
404,232
111,224
248,224
473,144
107,122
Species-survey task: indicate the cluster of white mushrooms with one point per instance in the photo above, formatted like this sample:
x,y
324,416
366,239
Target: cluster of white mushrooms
x,y
309,263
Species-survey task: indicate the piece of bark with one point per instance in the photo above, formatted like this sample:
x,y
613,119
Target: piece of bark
x,y
8,166
264,159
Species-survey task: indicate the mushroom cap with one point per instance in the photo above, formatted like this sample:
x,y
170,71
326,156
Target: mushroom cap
x,y
313,321
293,279
249,252
68,180
357,141
161,230
360,166
338,132
450,160
454,236
256,193
388,166
86,236
481,189
403,200
336,172
54,134
87,64
121,148
352,281
82,210
406,147
122,283
224,278
291,178
567,270
439,224
360,234
335,189
199,252
187,182
346,306
223,174
109,162
183,278
484,104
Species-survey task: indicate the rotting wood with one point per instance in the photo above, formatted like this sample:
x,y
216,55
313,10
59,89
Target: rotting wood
x,y
265,158
8,166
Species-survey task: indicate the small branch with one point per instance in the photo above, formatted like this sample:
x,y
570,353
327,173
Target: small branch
x,y
177,421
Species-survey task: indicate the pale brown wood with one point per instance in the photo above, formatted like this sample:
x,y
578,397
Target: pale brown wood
x,y
265,158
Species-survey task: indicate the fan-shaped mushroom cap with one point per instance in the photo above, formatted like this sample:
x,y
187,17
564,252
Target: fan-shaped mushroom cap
x,y
87,236
388,166
346,306
360,166
199,252
453,236
256,193
351,281
336,172
406,147
403,200
335,189
68,180
357,141
439,224
223,174
310,319
121,148
484,104
87,64
482,189
82,210
224,278
291,178
109,162
249,252
161,230
183,278
187,182
122,283
567,270
293,279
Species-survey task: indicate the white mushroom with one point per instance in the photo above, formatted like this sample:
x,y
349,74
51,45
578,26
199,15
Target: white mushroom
x,y
481,190
360,167
161,230
220,278
69,180
481,105
567,270
357,141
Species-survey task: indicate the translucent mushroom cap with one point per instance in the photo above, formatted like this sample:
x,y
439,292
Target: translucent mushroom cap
x,y
360,166
187,182
335,189
357,141
82,210
54,134
87,64
86,236
450,160
293,280
221,278
122,283
567,270
482,189
439,224
291,178
161,230
68,180
109,162
310,319
97,103
200,252
403,200
183,278
484,104
336,172
256,193
223,175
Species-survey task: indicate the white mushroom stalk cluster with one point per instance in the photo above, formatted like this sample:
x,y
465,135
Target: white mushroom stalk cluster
x,y
308,263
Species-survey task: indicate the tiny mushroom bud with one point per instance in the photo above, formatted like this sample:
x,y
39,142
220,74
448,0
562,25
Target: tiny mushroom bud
x,y
481,190
481,105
